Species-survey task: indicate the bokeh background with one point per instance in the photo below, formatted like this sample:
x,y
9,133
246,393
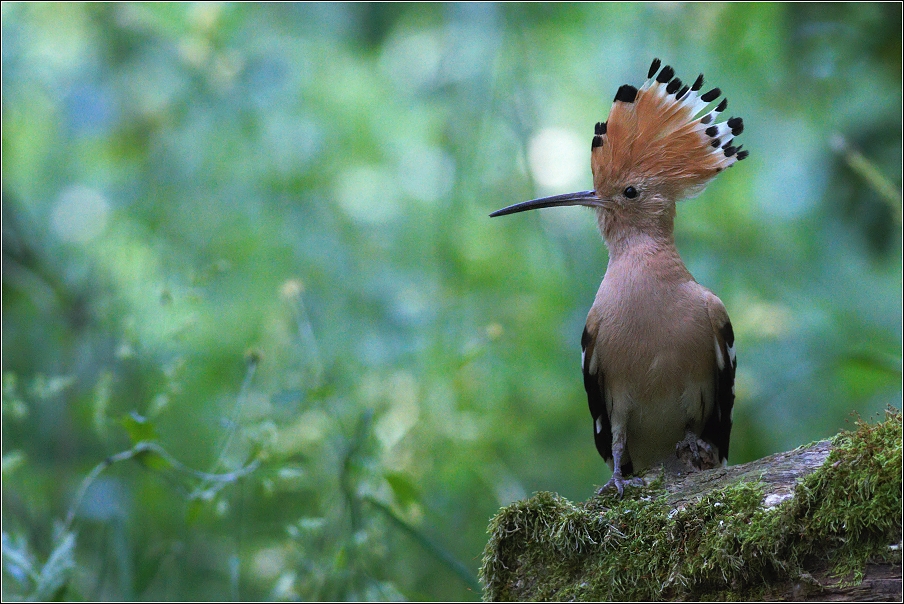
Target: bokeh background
x,y
261,340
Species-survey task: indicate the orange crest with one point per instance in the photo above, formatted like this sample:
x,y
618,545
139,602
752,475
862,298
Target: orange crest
x,y
654,135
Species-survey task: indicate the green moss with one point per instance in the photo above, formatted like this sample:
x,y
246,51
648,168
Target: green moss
x,y
724,545
850,510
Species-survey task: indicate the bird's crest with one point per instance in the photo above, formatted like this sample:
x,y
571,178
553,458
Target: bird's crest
x,y
664,133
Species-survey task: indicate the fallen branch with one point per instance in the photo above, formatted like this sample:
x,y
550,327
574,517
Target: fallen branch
x,y
822,522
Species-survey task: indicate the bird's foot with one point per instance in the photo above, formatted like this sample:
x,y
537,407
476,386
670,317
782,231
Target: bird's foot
x,y
696,453
618,482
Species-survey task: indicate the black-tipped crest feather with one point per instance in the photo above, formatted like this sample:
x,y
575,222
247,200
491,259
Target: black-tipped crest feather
x,y
665,75
710,96
626,94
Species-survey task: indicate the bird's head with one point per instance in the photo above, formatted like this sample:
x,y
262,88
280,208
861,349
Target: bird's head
x,y
661,143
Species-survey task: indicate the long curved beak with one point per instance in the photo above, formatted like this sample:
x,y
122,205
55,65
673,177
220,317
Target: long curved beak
x,y
582,198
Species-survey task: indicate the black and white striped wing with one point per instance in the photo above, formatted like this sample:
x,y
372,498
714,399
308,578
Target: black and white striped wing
x,y
594,384
717,429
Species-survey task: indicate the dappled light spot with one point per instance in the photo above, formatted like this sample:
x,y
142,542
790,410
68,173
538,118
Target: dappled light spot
x,y
426,173
403,410
305,434
291,289
757,318
269,562
80,214
558,159
412,60
368,194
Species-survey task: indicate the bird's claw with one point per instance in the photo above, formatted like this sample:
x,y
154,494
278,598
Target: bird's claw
x,y
696,452
618,482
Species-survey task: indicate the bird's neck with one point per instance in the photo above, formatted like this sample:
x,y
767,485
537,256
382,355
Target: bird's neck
x,y
628,237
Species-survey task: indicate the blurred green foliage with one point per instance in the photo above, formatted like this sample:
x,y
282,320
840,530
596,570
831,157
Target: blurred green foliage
x,y
260,339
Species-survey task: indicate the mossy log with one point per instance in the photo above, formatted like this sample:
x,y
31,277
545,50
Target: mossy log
x,y
822,522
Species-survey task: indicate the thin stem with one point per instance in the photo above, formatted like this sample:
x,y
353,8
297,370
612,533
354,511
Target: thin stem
x,y
143,448
868,171
234,417
428,544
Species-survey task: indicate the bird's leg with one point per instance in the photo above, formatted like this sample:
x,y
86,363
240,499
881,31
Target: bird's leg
x,y
618,481
695,452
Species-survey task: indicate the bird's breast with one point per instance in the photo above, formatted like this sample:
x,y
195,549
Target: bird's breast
x,y
651,335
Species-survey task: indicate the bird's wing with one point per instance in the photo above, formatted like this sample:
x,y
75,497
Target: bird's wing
x,y
717,429
594,385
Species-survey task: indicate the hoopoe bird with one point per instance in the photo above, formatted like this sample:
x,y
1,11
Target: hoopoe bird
x,y
658,351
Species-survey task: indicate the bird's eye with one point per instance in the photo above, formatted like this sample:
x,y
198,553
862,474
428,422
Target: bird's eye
x,y
630,192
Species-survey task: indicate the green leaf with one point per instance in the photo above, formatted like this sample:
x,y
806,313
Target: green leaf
x,y
102,397
152,459
405,491
193,511
12,404
12,461
138,427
